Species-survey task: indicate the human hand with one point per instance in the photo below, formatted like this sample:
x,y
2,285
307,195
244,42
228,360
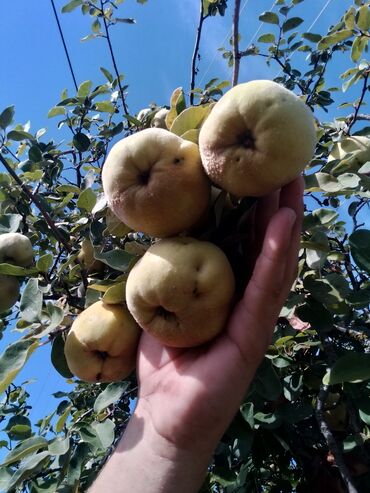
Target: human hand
x,y
188,397
182,391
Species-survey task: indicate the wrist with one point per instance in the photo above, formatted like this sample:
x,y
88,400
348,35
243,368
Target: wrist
x,y
176,433
176,447
147,461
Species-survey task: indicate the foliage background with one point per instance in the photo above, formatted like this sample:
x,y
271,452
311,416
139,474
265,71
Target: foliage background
x,y
304,423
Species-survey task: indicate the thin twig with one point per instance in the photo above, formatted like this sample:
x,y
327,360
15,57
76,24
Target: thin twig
x,y
113,59
34,199
330,440
236,53
360,116
358,105
194,70
64,46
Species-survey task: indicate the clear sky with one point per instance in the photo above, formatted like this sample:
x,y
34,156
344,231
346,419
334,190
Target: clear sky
x,y
155,57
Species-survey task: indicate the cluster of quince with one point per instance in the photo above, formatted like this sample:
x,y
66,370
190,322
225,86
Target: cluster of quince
x,y
257,137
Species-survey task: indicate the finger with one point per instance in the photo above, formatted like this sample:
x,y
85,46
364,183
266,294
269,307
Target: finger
x,y
253,320
266,207
292,196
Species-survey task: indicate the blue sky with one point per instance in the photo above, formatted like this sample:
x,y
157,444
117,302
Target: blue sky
x,y
155,57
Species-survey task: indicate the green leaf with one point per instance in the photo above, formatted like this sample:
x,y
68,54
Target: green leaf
x,y
115,294
30,466
316,315
105,432
330,290
267,38
358,46
352,367
333,39
107,74
356,77
267,381
190,119
19,135
6,117
56,110
68,7
63,418
81,142
269,421
44,263
33,176
322,182
359,242
117,259
191,135
105,106
96,26
5,477
59,446
84,89
314,38
13,359
269,17
247,411
35,154
349,180
31,301
111,394
24,448
291,23
58,358
9,223
349,18
79,457
360,298
364,409
363,18
352,441
15,270
126,20
68,189
86,200
318,217
55,315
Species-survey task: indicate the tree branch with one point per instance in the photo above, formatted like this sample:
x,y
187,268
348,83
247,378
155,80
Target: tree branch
x,y
236,53
113,59
34,199
194,70
360,116
358,105
330,440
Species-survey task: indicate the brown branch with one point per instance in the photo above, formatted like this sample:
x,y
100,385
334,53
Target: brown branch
x,y
360,116
358,105
236,53
330,440
107,36
11,153
324,428
34,199
194,70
